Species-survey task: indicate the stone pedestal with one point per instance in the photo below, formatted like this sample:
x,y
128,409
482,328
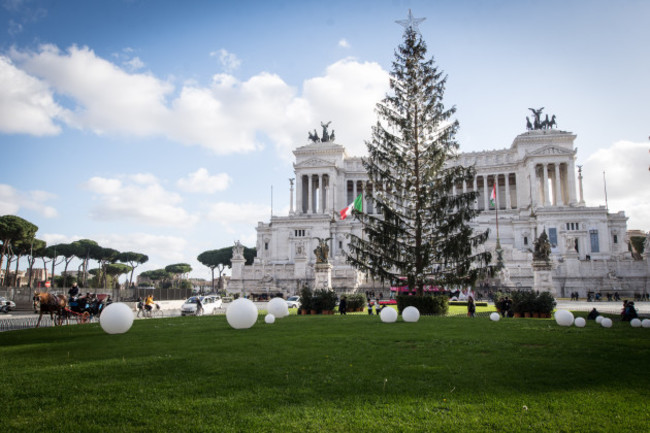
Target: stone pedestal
x,y
543,277
237,268
322,276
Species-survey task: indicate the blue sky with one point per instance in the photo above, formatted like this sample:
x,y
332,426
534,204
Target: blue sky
x,y
160,126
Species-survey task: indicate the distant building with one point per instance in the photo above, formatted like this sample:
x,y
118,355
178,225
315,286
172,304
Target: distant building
x,y
537,188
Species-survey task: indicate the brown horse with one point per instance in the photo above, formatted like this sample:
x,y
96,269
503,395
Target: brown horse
x,y
49,303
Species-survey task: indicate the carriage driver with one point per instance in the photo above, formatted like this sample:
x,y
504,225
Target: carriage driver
x,y
74,291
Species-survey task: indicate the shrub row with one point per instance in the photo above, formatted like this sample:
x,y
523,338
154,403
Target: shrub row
x,y
427,305
320,300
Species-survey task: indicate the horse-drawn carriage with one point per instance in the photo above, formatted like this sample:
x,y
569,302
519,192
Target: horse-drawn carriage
x,y
79,309
83,309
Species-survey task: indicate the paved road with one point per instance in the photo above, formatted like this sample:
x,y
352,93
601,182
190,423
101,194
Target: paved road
x,y
27,319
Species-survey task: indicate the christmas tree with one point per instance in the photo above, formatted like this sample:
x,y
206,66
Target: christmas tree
x,y
421,232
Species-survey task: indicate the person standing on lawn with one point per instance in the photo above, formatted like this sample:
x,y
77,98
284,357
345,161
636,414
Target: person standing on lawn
x,y
471,307
343,305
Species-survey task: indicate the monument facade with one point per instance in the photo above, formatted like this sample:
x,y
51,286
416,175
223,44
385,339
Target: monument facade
x,y
538,189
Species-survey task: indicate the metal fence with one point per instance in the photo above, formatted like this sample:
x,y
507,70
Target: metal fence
x,y
13,324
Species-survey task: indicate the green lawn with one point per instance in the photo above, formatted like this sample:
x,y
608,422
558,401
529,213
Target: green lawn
x,y
327,373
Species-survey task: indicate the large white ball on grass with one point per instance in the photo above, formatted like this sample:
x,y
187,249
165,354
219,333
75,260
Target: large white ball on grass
x,y
241,313
606,322
635,323
564,317
645,323
599,319
410,314
495,317
116,318
269,318
580,322
388,315
278,307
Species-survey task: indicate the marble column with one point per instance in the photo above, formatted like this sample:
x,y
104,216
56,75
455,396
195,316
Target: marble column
x,y
559,201
532,180
291,198
475,186
571,178
321,190
547,201
486,194
508,201
310,192
299,182
330,193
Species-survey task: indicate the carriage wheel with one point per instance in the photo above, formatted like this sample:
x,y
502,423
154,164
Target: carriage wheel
x,y
85,317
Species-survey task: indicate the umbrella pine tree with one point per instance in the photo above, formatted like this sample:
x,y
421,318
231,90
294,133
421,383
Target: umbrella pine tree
x,y
421,230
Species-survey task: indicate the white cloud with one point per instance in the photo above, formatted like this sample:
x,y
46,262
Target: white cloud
x,y
626,170
57,238
229,61
12,200
245,213
347,94
227,117
134,64
26,104
344,44
202,182
108,98
168,248
139,198
14,28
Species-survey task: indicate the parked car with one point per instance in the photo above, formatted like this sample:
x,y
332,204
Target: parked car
x,y
6,304
293,302
211,303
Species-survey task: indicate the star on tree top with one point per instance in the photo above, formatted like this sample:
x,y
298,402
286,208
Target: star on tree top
x,y
411,22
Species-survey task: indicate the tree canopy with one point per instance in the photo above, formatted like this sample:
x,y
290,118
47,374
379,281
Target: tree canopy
x,y
178,268
13,229
216,259
133,259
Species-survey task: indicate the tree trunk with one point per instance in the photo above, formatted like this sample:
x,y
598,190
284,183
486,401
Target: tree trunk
x,y
16,274
31,261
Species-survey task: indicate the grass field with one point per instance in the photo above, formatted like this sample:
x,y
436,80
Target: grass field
x,y
327,374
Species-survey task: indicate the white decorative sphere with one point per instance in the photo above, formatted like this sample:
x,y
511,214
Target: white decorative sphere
x,y
645,323
388,315
116,318
269,318
278,307
580,322
599,319
495,317
241,313
606,322
410,314
564,317
635,323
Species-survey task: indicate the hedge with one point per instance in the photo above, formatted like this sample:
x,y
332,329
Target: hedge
x,y
427,305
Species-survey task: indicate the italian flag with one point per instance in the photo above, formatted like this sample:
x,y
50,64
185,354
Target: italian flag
x,y
357,205
493,196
